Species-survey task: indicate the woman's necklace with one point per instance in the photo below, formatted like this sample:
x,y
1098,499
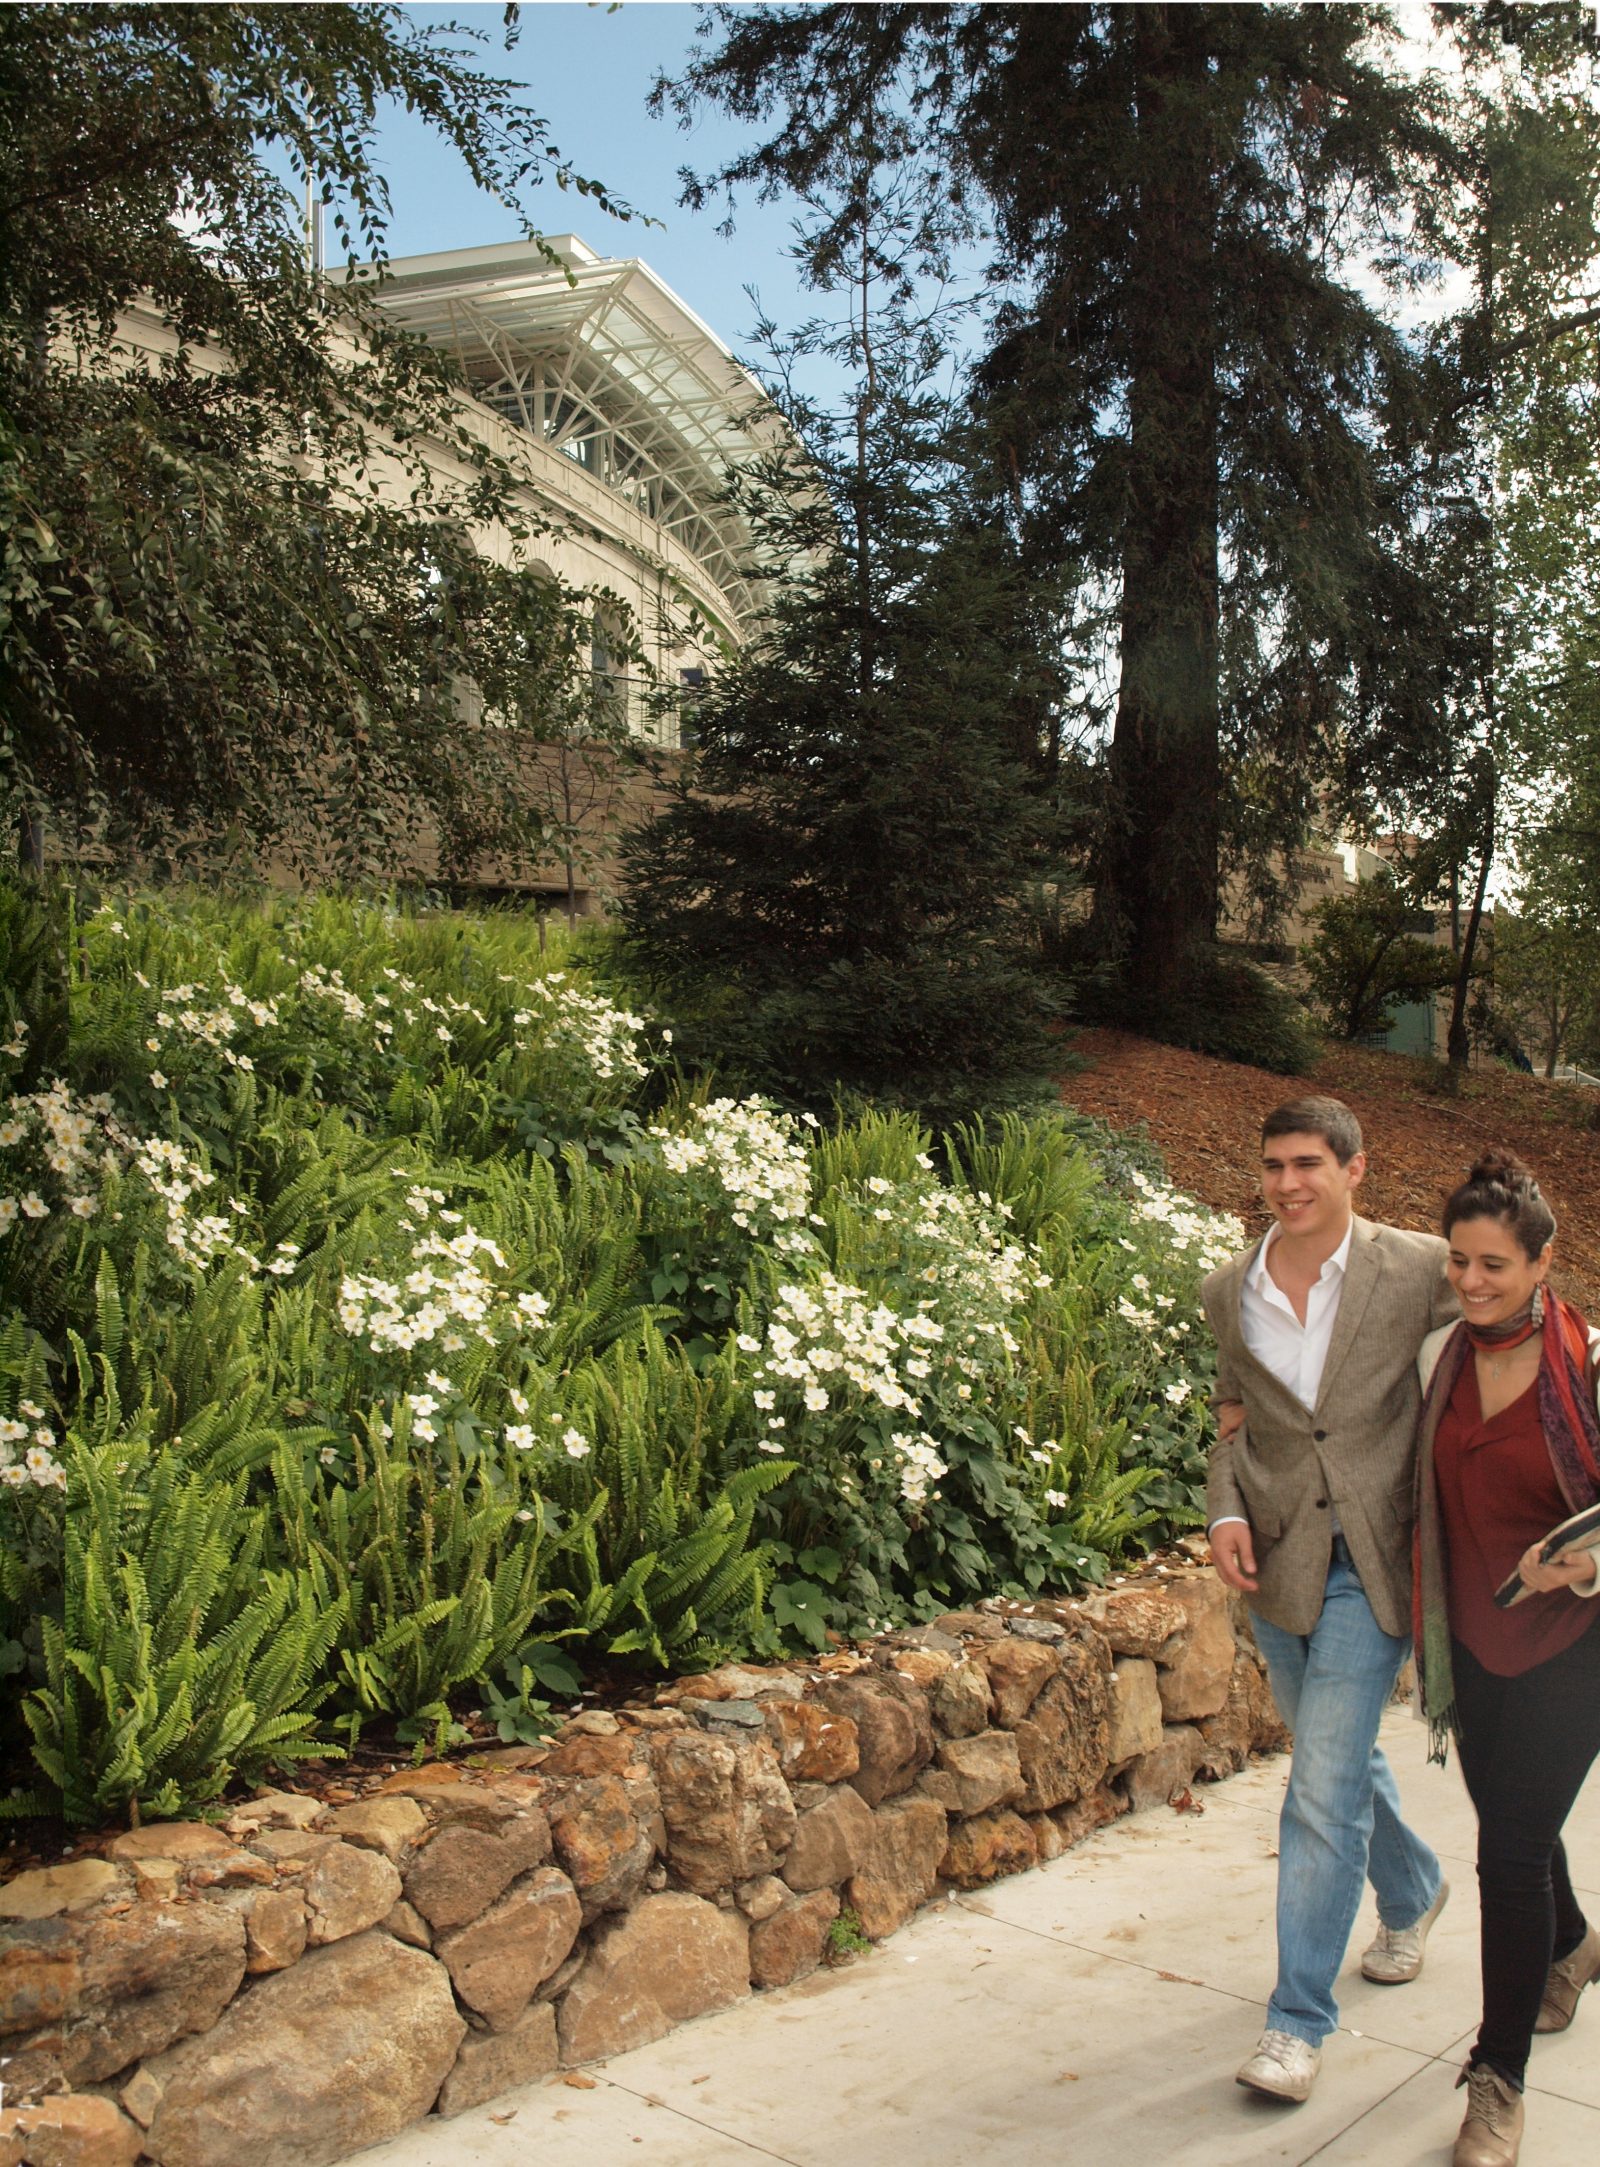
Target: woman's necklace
x,y
1500,1347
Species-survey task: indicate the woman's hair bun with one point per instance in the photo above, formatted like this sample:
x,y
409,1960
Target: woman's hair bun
x,y
1501,1187
1503,1169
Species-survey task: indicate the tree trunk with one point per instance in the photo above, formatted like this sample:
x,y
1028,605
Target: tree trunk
x,y
1457,1044
1156,893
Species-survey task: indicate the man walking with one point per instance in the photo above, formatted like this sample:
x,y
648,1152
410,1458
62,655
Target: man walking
x,y
1309,1504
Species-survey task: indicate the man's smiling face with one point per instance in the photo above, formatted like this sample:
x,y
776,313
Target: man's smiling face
x,y
1305,1187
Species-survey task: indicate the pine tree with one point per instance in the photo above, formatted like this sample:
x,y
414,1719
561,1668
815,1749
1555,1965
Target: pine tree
x,y
838,893
1185,385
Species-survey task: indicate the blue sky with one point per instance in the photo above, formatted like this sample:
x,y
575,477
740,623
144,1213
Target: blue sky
x,y
588,72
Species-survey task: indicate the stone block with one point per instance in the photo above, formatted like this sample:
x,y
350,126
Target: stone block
x,y
814,1744
789,1944
1152,1779
962,1701
901,1870
1139,1621
672,1957
1018,1671
985,1771
986,1846
194,1843
1096,1809
1195,1671
727,1810
342,2051
488,2063
894,1732
74,2130
346,1891
45,1892
497,1962
116,1987
389,1825
831,1840
600,1845
761,1898
1061,1742
1135,1725
462,1870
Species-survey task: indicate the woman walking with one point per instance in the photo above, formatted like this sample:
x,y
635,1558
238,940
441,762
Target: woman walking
x,y
1509,1446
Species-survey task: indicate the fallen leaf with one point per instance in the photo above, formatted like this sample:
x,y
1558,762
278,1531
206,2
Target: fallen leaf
x,y
1176,1978
1184,1801
579,2082
706,2079
503,2119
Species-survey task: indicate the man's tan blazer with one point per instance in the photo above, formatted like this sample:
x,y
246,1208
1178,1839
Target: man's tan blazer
x,y
1291,1468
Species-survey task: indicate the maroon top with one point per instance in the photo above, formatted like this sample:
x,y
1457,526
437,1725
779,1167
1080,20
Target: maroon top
x,y
1497,1494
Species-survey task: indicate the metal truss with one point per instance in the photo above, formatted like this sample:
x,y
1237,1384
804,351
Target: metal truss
x,y
606,366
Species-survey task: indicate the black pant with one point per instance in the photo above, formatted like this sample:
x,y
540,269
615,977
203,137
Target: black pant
x,y
1526,1745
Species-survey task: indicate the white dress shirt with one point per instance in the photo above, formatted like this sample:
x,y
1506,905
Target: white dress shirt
x,y
1295,1353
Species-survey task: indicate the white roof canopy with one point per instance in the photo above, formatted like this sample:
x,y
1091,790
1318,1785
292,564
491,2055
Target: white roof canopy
x,y
603,362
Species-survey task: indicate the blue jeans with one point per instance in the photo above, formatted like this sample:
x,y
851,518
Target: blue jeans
x,y
1341,1820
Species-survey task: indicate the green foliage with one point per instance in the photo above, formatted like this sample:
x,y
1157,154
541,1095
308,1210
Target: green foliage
x,y
1178,202
846,1938
179,1661
1368,956
663,1565
1230,1007
835,894
423,1557
376,1414
216,632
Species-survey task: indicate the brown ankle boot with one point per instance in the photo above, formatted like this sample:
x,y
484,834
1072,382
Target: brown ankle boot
x,y
1566,1981
1491,2134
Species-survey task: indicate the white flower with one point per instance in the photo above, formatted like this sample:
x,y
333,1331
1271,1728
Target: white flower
x,y
747,1345
576,1445
1056,1499
816,1399
34,1206
765,1400
520,1434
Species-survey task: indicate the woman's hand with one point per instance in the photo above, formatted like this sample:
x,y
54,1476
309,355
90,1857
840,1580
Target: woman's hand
x,y
1230,1418
1576,1571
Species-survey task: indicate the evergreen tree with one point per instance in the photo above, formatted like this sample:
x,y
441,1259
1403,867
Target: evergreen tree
x,y
838,892
1186,386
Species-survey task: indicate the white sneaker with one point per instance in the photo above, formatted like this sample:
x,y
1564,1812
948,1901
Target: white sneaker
x,y
1396,1951
1283,2067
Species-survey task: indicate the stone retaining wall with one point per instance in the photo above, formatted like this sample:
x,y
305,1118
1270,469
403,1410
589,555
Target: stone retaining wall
x,y
304,1979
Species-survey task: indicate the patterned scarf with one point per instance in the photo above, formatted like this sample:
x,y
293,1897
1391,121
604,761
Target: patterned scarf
x,y
1572,1432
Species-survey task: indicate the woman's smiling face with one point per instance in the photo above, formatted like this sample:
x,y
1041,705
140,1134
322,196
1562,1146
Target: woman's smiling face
x,y
1493,1277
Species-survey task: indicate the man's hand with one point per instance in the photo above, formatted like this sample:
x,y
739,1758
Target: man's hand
x,y
1233,1553
1230,1418
1574,1571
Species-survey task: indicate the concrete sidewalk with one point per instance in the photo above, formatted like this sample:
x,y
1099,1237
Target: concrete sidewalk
x,y
1088,2014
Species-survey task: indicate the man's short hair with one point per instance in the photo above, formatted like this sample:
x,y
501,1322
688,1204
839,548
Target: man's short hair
x,y
1330,1119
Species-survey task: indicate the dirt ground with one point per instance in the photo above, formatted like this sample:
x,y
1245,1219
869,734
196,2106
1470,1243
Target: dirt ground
x,y
1205,1116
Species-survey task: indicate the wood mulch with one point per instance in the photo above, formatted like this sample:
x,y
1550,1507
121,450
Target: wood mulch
x,y
1205,1116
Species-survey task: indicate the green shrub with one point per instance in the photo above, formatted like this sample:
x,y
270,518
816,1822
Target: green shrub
x,y
179,1661
433,1364
1235,1010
